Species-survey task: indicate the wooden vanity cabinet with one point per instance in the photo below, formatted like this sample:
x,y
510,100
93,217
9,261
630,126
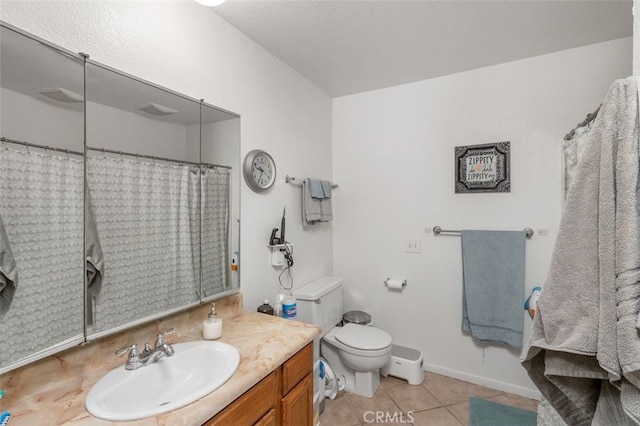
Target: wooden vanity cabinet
x,y
283,398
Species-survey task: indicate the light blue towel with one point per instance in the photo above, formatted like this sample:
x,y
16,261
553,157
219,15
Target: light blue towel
x,y
315,189
319,189
493,285
326,188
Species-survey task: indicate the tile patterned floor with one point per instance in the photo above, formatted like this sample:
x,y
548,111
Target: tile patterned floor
x,y
438,401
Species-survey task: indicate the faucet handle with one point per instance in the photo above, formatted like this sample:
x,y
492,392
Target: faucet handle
x,y
133,361
161,336
132,349
146,351
168,331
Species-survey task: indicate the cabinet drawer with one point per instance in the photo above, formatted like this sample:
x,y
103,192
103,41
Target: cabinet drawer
x,y
298,366
251,406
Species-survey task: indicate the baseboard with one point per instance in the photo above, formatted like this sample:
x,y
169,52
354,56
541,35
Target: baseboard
x,y
483,381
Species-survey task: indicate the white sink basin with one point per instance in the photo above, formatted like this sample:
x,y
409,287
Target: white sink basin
x,y
197,369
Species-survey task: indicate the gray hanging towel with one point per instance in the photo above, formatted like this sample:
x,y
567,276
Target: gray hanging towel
x,y
95,258
311,213
493,285
8,272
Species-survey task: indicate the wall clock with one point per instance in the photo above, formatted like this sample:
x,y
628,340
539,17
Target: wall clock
x,y
259,170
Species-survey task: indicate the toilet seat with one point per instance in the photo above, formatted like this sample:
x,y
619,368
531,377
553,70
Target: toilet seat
x,y
363,337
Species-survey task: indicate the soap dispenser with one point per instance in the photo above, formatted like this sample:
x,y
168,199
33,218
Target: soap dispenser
x,y
212,326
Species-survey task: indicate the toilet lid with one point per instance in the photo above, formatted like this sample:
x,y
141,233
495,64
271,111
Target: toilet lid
x,y
363,337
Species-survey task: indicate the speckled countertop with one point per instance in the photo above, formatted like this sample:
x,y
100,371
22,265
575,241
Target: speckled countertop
x,y
52,391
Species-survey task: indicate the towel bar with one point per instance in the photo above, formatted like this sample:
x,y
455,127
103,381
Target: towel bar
x,y
291,179
437,230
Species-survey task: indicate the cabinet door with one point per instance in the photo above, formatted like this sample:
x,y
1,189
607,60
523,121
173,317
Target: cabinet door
x,y
297,405
251,406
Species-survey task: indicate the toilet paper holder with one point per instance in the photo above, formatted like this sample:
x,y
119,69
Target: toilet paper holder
x,y
394,284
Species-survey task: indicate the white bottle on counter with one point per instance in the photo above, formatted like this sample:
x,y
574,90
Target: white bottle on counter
x,y
289,308
212,326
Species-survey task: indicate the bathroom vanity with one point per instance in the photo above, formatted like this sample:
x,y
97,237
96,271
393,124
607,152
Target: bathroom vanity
x,y
272,385
284,397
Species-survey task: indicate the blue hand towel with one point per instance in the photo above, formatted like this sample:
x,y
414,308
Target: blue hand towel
x,y
315,189
326,188
493,285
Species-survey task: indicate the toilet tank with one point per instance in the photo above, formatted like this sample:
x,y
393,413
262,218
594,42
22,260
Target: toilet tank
x,y
320,302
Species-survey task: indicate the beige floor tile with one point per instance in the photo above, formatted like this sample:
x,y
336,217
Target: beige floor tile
x,y
439,401
516,401
452,391
385,382
460,411
412,398
380,403
436,417
338,412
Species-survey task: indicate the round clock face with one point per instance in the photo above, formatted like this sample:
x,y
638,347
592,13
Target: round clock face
x,y
259,170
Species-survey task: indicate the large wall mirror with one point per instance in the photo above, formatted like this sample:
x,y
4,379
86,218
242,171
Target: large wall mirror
x,y
119,200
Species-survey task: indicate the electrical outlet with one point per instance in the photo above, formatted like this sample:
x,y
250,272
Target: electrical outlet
x,y
412,246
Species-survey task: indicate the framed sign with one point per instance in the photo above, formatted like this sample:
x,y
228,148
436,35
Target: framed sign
x,y
483,168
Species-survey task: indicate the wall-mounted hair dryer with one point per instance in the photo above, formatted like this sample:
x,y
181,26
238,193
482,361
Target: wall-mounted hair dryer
x,y
274,240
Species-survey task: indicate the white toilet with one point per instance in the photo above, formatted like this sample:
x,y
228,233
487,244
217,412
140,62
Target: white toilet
x,y
354,351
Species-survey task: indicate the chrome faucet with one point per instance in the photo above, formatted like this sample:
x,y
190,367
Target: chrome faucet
x,y
148,356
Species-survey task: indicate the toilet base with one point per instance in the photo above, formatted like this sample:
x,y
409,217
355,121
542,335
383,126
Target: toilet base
x,y
363,383
366,383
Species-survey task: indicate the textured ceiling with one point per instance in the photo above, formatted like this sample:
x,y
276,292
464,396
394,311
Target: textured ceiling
x,y
347,47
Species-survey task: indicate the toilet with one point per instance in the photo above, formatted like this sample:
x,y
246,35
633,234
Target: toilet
x,y
354,351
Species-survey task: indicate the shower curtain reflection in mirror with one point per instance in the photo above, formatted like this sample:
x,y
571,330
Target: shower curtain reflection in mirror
x,y
146,247
215,230
146,215
42,197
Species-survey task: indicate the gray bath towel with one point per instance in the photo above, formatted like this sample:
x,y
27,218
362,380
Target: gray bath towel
x,y
95,258
315,209
493,285
326,210
8,272
310,207
584,331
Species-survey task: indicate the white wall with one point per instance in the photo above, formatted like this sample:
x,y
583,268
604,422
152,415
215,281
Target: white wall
x,y
393,156
188,48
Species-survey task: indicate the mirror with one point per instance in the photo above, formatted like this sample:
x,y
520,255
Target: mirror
x,y
41,188
155,228
220,154
143,241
